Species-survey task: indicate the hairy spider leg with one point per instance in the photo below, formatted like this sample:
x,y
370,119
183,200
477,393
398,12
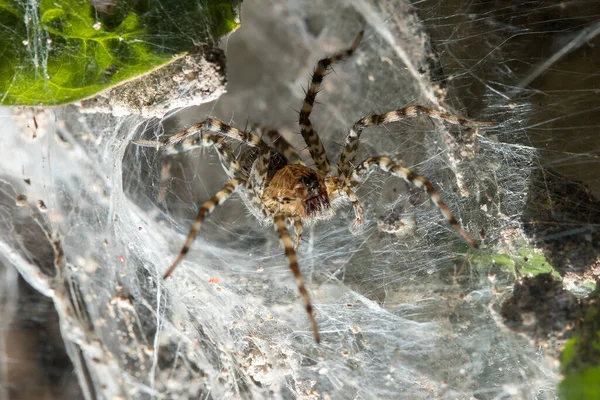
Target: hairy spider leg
x,y
360,174
286,240
358,211
278,142
216,126
207,208
165,176
346,160
297,232
230,165
259,172
315,146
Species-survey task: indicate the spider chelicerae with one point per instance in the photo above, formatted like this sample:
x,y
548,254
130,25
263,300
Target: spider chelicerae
x,y
279,189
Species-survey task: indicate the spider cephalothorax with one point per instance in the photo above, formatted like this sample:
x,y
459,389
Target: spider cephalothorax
x,y
276,185
300,192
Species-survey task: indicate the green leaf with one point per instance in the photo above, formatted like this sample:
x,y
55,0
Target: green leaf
x,y
58,51
580,361
584,384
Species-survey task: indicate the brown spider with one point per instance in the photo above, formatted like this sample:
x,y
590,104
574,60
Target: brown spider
x,y
279,189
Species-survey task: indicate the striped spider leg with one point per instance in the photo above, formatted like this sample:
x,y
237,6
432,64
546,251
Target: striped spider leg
x,y
191,139
364,169
278,142
315,146
348,175
230,165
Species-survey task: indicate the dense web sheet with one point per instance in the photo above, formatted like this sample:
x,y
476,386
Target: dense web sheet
x,y
405,309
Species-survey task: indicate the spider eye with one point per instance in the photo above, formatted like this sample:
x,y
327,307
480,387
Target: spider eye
x,y
311,181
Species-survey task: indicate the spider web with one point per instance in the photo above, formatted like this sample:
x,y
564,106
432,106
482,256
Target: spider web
x,y
408,314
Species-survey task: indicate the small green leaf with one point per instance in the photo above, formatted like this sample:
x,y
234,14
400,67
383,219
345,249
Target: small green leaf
x,y
584,384
531,262
525,261
580,361
58,51
569,352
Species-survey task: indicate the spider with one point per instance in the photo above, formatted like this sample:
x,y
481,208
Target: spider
x,y
280,190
